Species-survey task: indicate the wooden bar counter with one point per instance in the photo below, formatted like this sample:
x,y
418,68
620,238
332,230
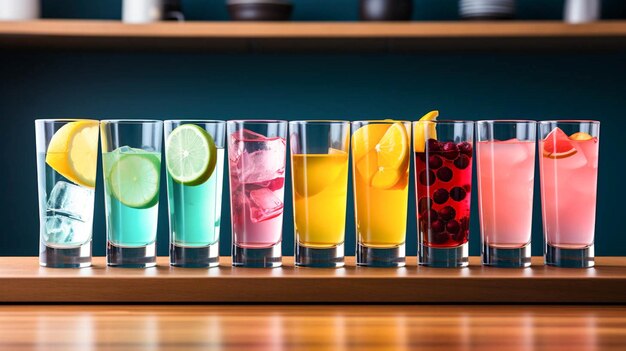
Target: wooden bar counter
x,y
22,280
249,327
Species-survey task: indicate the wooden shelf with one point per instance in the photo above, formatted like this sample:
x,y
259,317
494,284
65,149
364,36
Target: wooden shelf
x,y
311,35
22,280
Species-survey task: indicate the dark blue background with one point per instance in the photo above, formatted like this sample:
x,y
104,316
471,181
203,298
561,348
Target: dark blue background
x,y
487,85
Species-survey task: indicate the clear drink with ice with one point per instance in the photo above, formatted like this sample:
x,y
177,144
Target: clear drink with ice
x,y
66,172
257,182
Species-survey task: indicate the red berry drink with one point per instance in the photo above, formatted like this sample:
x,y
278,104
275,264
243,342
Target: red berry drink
x,y
443,180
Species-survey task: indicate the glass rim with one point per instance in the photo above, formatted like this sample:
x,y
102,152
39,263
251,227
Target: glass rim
x,y
320,121
447,121
570,121
382,121
131,121
505,121
43,120
194,121
257,121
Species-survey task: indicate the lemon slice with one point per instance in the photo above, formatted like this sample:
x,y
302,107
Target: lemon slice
x,y
580,136
315,172
386,153
424,131
73,152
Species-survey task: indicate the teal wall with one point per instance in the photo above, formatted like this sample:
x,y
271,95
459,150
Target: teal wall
x,y
43,84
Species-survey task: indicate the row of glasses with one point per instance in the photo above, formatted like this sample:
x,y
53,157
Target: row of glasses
x,y
194,151
505,152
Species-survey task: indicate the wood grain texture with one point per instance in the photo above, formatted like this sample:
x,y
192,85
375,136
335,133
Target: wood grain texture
x,y
276,328
22,280
93,28
295,36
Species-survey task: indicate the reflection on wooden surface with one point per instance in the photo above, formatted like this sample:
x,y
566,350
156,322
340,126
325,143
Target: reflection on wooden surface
x,y
523,328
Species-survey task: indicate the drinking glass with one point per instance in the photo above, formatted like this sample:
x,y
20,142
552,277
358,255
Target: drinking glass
x,y
131,159
505,154
67,155
380,169
256,162
319,171
569,177
194,155
443,182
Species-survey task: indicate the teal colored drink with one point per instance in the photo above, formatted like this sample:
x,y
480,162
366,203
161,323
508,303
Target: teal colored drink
x,y
131,196
195,209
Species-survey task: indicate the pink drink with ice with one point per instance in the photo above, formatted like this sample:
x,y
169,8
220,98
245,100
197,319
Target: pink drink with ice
x,y
257,183
568,194
506,172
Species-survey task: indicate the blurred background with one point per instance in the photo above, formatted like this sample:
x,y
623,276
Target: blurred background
x,y
576,83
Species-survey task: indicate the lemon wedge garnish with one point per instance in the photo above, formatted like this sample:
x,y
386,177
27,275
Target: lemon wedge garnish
x,y
580,136
381,153
73,152
424,131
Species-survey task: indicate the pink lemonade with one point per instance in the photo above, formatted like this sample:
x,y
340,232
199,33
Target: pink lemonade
x,y
568,194
506,172
257,182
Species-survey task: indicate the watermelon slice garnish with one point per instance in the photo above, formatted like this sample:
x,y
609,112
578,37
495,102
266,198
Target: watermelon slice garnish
x,y
558,145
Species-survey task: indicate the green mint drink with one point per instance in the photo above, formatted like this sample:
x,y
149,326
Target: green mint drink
x,y
194,186
132,195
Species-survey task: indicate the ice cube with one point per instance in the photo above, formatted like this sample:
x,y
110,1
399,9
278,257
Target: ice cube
x,y
71,200
63,231
238,141
265,164
125,150
264,205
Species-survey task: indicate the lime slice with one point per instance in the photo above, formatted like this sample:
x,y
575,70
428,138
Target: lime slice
x,y
190,154
134,179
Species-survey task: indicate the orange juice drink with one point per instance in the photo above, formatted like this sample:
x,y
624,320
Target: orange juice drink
x,y
380,162
320,192
319,174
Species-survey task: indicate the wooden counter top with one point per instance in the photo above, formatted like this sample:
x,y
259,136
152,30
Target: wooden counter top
x,y
22,280
342,328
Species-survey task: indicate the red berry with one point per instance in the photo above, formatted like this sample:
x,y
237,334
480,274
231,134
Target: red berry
x,y
444,174
447,213
457,193
437,227
450,150
432,145
465,148
424,204
461,236
434,162
462,162
441,196
453,227
430,216
427,177
465,223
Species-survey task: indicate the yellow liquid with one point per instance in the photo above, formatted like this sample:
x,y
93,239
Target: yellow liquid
x,y
380,214
320,191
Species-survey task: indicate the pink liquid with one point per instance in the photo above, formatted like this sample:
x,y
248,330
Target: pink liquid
x,y
506,172
568,196
257,183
